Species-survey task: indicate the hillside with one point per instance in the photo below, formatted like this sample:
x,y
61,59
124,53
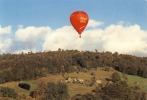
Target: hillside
x,y
73,74
73,88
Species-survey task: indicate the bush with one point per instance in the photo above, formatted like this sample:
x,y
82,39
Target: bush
x,y
57,91
116,91
85,97
107,68
92,73
35,93
116,77
8,92
24,86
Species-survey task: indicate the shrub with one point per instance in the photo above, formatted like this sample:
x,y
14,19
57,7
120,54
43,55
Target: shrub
x,y
92,73
57,91
107,68
116,77
35,93
85,97
8,92
24,86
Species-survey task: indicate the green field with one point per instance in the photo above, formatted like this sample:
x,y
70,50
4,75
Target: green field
x,y
142,82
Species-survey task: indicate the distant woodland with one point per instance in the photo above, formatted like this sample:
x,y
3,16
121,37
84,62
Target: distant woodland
x,y
15,67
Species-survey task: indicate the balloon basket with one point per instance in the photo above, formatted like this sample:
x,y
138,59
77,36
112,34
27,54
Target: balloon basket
x,y
79,36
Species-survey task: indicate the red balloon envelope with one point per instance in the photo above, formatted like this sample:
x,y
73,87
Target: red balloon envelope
x,y
79,21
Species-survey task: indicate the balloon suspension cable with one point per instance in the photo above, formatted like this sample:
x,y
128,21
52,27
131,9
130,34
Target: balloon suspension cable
x,y
79,36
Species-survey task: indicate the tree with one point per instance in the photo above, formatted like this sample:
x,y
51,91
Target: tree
x,y
57,91
116,77
8,92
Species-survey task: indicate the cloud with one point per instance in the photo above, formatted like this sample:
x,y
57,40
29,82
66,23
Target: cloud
x,y
93,23
115,38
25,51
30,38
5,30
121,38
31,33
65,37
5,44
20,26
5,40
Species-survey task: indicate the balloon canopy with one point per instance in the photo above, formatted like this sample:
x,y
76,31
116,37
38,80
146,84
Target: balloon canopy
x,y
79,21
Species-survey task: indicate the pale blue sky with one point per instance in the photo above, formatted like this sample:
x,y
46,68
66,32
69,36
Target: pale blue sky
x,y
38,25
55,13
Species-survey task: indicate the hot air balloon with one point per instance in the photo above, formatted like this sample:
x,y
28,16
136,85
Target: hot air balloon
x,y
79,20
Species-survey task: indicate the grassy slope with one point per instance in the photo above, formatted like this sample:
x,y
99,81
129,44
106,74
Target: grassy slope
x,y
74,88
142,81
